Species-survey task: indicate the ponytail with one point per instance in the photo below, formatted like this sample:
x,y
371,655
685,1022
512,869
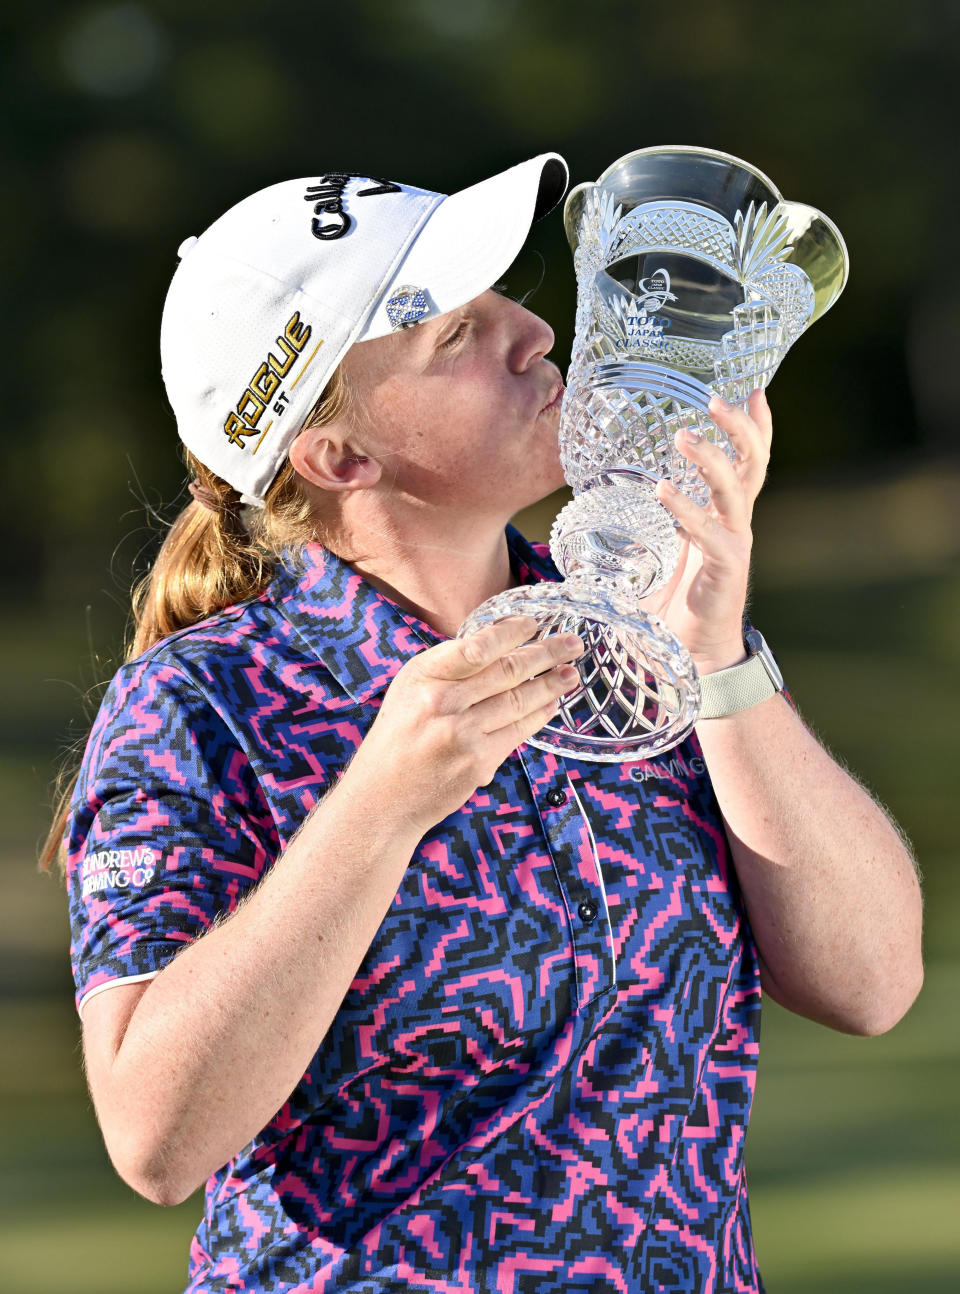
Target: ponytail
x,y
209,559
216,553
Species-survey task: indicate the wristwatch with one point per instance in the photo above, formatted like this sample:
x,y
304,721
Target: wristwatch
x,y
741,686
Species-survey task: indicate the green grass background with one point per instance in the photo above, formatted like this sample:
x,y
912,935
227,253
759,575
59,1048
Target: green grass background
x,y
852,1152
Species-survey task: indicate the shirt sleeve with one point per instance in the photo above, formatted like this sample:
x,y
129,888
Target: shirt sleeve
x,y
168,828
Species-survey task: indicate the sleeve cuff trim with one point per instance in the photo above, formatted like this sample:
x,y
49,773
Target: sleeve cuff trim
x,y
112,983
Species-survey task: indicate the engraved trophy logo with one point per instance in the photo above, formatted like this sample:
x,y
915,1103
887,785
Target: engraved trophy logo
x,y
694,278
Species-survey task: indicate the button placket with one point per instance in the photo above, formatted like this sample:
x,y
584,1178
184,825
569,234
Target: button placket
x,y
572,850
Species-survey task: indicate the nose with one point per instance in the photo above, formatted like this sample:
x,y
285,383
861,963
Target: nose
x,y
531,337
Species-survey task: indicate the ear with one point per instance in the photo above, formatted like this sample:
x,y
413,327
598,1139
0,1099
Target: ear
x,y
321,456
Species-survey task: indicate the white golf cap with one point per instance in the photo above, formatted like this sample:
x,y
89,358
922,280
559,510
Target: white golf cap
x,y
266,302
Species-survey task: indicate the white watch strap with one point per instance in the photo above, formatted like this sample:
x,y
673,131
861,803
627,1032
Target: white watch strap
x,y
737,688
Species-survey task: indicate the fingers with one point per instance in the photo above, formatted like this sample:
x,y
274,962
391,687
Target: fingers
x,y
521,683
525,729
497,657
692,518
521,711
750,433
463,658
759,410
516,667
733,486
728,494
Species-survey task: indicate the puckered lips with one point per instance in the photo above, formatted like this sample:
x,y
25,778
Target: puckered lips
x,y
554,397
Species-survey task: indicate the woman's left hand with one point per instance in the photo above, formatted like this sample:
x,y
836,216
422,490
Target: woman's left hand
x,y
703,604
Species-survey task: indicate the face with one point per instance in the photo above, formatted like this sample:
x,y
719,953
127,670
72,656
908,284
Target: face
x,y
462,411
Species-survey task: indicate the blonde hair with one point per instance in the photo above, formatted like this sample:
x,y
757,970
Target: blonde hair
x,y
213,557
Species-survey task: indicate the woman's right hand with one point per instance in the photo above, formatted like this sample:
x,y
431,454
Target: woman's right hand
x,y
455,712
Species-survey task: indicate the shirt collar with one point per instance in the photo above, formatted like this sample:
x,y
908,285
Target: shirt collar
x,y
360,636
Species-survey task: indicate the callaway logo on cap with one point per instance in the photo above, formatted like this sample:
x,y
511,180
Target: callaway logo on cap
x,y
266,302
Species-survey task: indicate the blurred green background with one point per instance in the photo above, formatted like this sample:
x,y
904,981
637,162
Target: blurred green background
x,y
127,127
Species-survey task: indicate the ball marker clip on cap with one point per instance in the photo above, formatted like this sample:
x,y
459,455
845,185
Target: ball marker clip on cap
x,y
265,303
407,306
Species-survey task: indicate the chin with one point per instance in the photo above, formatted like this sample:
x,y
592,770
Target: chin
x,y
534,515
553,481
538,476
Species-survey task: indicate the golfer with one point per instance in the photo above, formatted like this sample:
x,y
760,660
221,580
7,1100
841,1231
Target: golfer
x,y
423,1006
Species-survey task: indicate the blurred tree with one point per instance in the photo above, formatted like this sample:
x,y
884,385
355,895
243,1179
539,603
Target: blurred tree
x,y
125,127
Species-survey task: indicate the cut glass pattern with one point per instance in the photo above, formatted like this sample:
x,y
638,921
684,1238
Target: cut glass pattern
x,y
628,414
664,226
638,688
618,529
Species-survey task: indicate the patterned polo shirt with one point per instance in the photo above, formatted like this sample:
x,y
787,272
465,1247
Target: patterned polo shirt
x,y
540,1078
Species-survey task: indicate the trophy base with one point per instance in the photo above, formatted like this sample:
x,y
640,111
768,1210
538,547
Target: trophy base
x,y
638,692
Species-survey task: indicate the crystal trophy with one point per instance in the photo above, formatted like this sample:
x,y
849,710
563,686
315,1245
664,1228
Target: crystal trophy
x,y
694,278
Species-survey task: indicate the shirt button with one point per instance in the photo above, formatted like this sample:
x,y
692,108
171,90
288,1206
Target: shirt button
x,y
556,797
588,910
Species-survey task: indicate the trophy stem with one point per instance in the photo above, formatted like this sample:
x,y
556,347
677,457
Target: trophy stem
x,y
617,528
